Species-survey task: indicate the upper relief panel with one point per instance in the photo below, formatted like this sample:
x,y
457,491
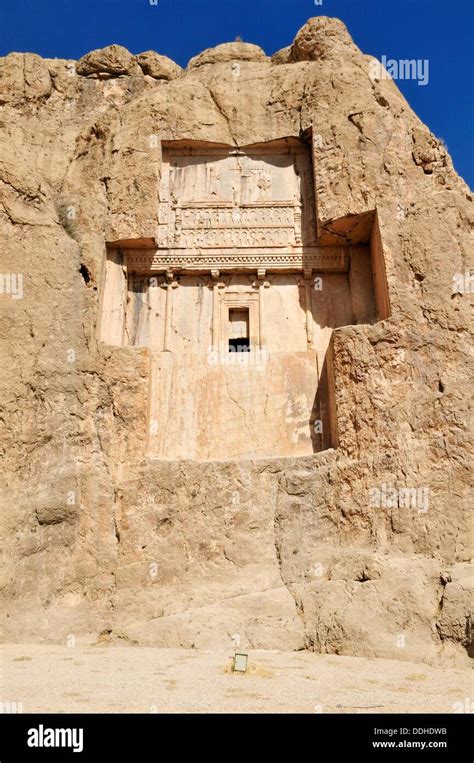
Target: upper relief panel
x,y
255,198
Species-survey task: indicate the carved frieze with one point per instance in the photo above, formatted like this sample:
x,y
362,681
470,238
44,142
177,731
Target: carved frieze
x,y
236,200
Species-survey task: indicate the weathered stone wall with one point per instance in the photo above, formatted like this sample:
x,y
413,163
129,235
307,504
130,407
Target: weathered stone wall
x,y
282,553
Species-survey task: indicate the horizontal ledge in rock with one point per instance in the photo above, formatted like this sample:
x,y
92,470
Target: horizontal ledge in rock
x,y
133,243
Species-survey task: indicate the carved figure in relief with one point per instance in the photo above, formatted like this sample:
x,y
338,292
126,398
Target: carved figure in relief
x,y
214,181
236,216
243,164
298,180
236,193
264,183
245,177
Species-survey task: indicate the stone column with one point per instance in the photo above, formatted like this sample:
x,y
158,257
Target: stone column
x,y
261,306
297,222
215,311
155,304
170,284
309,313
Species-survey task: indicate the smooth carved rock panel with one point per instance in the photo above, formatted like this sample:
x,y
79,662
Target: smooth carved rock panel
x,y
145,318
191,319
205,411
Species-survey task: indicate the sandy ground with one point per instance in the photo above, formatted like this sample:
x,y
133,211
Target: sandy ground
x,y
145,680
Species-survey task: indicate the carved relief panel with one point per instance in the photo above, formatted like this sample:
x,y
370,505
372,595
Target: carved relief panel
x,y
224,199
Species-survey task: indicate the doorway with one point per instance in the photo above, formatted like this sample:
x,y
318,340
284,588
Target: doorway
x,y
239,336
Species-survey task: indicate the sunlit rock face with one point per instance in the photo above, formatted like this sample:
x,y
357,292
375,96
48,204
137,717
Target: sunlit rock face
x,y
235,309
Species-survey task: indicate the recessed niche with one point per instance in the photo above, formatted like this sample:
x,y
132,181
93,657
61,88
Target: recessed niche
x,y
237,302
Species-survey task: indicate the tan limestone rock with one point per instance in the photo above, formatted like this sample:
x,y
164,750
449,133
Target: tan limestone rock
x,y
455,621
111,61
321,37
282,56
23,77
157,66
228,51
278,552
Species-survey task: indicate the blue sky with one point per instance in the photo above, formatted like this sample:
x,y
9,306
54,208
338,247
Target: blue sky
x,y
441,32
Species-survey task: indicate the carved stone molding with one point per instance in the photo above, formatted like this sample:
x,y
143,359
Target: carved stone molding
x,y
324,259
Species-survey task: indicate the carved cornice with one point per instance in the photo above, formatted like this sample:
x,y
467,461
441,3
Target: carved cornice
x,y
328,259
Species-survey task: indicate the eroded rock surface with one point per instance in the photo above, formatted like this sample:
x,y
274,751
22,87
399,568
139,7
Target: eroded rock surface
x,y
282,553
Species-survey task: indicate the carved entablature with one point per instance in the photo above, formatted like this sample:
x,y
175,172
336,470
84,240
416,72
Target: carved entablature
x,y
332,259
226,207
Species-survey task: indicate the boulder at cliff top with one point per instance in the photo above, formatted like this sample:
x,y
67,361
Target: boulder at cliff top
x,y
111,61
158,67
228,51
321,37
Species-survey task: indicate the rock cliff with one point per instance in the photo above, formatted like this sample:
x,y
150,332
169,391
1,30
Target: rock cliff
x,y
98,541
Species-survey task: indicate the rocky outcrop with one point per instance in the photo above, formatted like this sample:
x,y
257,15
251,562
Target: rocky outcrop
x,y
285,553
112,61
25,77
228,51
158,67
321,38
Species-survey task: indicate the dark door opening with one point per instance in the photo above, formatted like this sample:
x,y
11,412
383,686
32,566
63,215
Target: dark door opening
x,y
241,344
